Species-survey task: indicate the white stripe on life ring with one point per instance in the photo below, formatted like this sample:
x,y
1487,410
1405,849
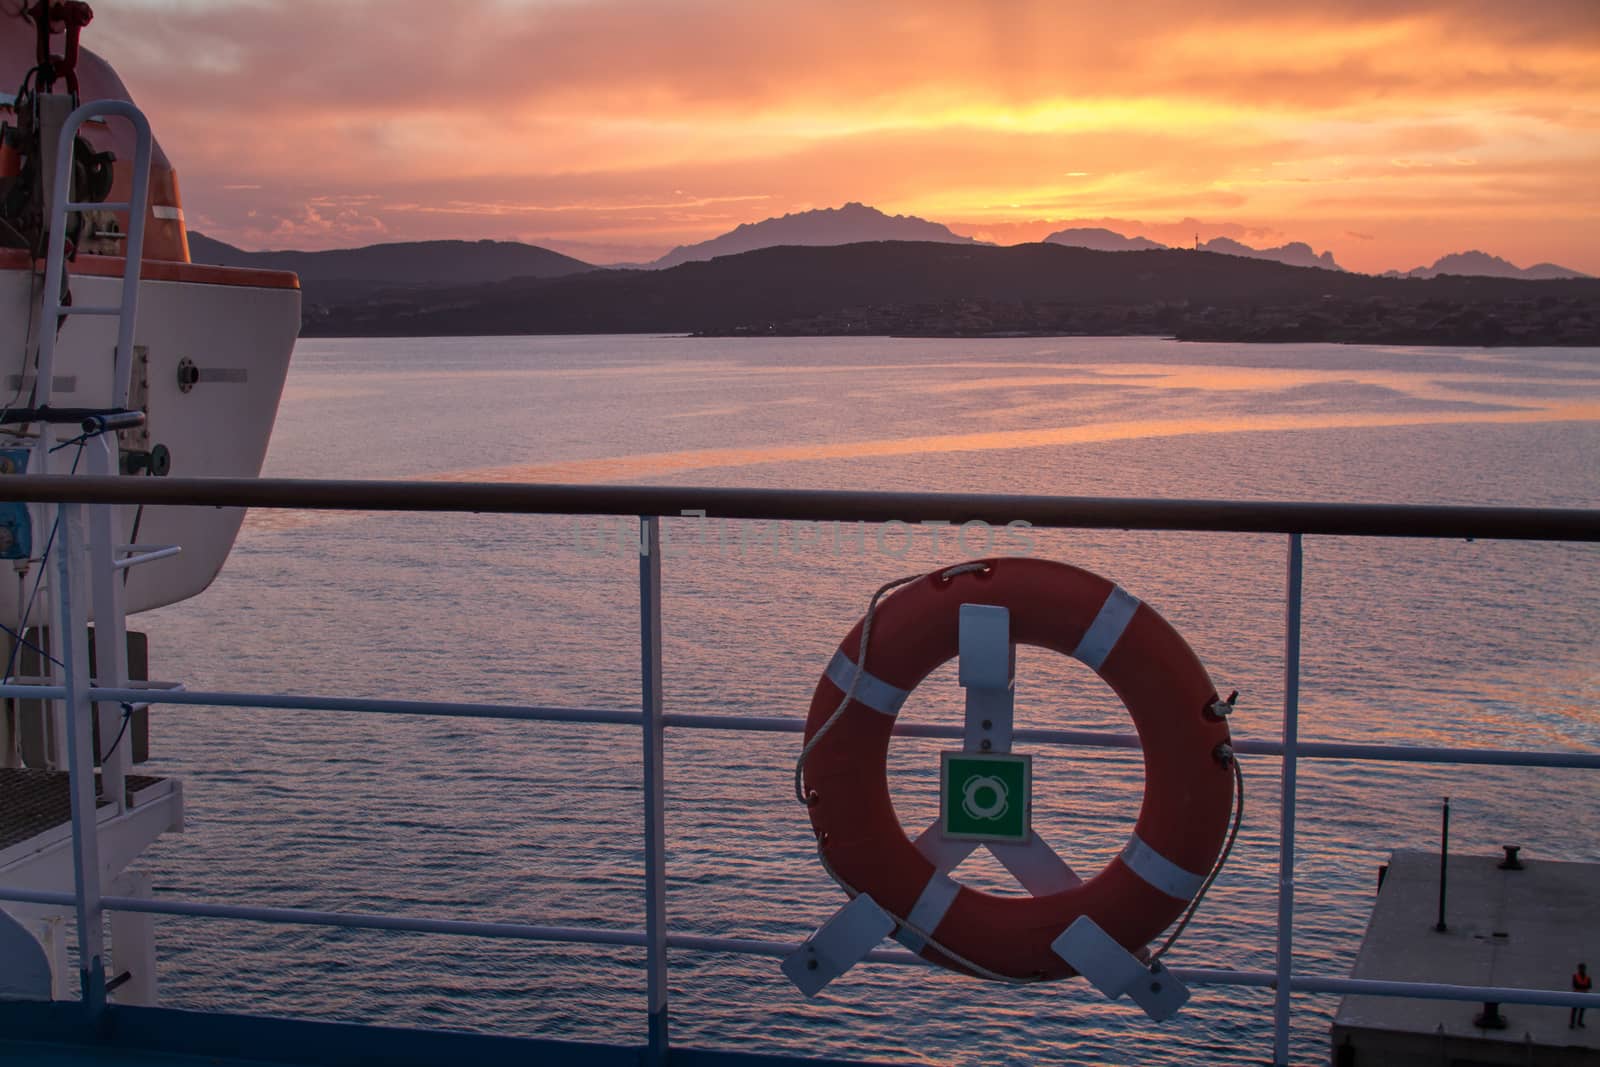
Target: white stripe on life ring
x,y
929,911
1159,871
875,693
1106,630
167,211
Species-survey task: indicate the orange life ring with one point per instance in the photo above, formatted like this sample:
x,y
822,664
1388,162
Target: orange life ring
x,y
1188,789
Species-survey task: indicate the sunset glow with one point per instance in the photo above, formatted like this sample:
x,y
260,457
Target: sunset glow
x,y
1388,133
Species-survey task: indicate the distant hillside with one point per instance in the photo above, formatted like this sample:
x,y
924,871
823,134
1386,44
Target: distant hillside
x,y
949,290
1102,240
344,274
1483,265
851,224
1294,254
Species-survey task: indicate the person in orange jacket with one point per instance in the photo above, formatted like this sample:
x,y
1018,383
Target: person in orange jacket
x,y
1581,983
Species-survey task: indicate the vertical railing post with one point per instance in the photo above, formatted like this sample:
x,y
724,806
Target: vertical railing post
x,y
73,641
1444,863
1291,732
110,628
655,839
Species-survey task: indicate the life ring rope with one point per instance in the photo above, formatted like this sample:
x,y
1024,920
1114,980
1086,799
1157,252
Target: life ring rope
x,y
1222,859
857,685
922,930
859,668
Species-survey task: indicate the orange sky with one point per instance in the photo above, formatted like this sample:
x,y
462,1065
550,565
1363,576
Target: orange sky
x,y
1387,131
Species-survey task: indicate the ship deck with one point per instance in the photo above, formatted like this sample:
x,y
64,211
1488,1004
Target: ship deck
x,y
36,806
53,1034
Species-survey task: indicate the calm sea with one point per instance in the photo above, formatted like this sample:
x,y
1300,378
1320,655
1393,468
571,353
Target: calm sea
x,y
1465,643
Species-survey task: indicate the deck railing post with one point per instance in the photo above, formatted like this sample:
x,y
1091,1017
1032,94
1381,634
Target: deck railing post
x,y
1291,732
655,838
110,629
72,639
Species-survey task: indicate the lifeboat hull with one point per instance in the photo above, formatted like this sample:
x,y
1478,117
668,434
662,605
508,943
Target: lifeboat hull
x,y
212,348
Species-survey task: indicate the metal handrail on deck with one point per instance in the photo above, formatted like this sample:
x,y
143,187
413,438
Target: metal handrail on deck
x,y
650,503
996,509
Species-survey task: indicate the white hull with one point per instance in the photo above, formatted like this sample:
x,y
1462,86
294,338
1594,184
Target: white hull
x,y
237,337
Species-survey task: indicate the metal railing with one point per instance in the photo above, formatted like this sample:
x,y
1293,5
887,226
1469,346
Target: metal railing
x,y
1293,520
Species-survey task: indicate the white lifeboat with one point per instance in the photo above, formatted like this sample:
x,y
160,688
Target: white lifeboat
x,y
211,344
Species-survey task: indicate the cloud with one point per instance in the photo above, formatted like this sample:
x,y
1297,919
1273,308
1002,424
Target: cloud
x,y
318,222
627,57
577,121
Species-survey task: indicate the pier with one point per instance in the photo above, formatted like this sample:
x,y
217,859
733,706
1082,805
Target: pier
x,y
1525,922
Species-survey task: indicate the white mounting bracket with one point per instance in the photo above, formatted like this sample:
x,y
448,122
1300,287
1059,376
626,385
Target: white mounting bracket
x,y
988,670
838,945
1114,970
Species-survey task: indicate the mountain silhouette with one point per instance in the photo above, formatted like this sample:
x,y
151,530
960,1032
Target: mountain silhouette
x,y
1102,240
1294,254
943,289
1483,265
851,224
351,273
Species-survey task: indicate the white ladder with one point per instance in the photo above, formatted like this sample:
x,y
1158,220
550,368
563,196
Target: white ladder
x,y
102,453
61,206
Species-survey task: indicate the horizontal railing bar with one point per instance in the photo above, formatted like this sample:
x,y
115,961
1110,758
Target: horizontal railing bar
x,y
751,946
146,557
744,946
1499,757
793,725
1308,983
1101,739
288,702
1223,976
459,927
1236,516
1441,991
34,687
344,919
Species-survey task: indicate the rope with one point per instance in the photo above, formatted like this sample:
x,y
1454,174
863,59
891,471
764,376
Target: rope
x,y
127,717
861,665
44,558
36,284
22,642
1216,869
849,695
80,440
927,935
994,976
133,541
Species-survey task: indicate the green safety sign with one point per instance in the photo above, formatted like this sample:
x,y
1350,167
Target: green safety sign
x,y
986,797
